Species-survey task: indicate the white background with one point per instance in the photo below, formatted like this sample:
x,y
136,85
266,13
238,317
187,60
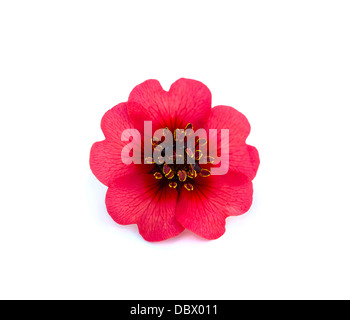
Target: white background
x,y
284,64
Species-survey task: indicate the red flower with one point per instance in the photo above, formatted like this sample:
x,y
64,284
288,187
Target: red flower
x,y
163,200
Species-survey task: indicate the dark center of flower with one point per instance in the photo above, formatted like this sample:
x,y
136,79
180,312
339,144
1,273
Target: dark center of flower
x,y
177,174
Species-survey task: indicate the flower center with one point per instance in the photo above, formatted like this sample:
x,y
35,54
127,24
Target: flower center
x,y
184,166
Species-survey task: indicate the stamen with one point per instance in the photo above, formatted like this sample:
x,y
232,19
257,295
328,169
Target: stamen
x,y
202,141
204,173
166,170
199,154
189,126
160,160
179,134
154,143
158,175
149,160
174,167
158,148
171,175
165,130
191,172
182,175
189,152
210,159
188,186
173,184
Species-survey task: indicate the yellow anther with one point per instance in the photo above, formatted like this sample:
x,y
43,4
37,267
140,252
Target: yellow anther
x,y
199,154
191,172
179,134
210,159
188,186
170,175
166,170
149,160
158,175
189,152
154,143
182,175
159,148
192,175
173,185
189,126
202,141
204,173
165,131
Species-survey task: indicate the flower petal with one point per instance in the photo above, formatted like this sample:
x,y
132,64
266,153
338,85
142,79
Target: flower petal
x,y
224,117
204,210
105,156
191,102
115,121
145,202
188,101
243,158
